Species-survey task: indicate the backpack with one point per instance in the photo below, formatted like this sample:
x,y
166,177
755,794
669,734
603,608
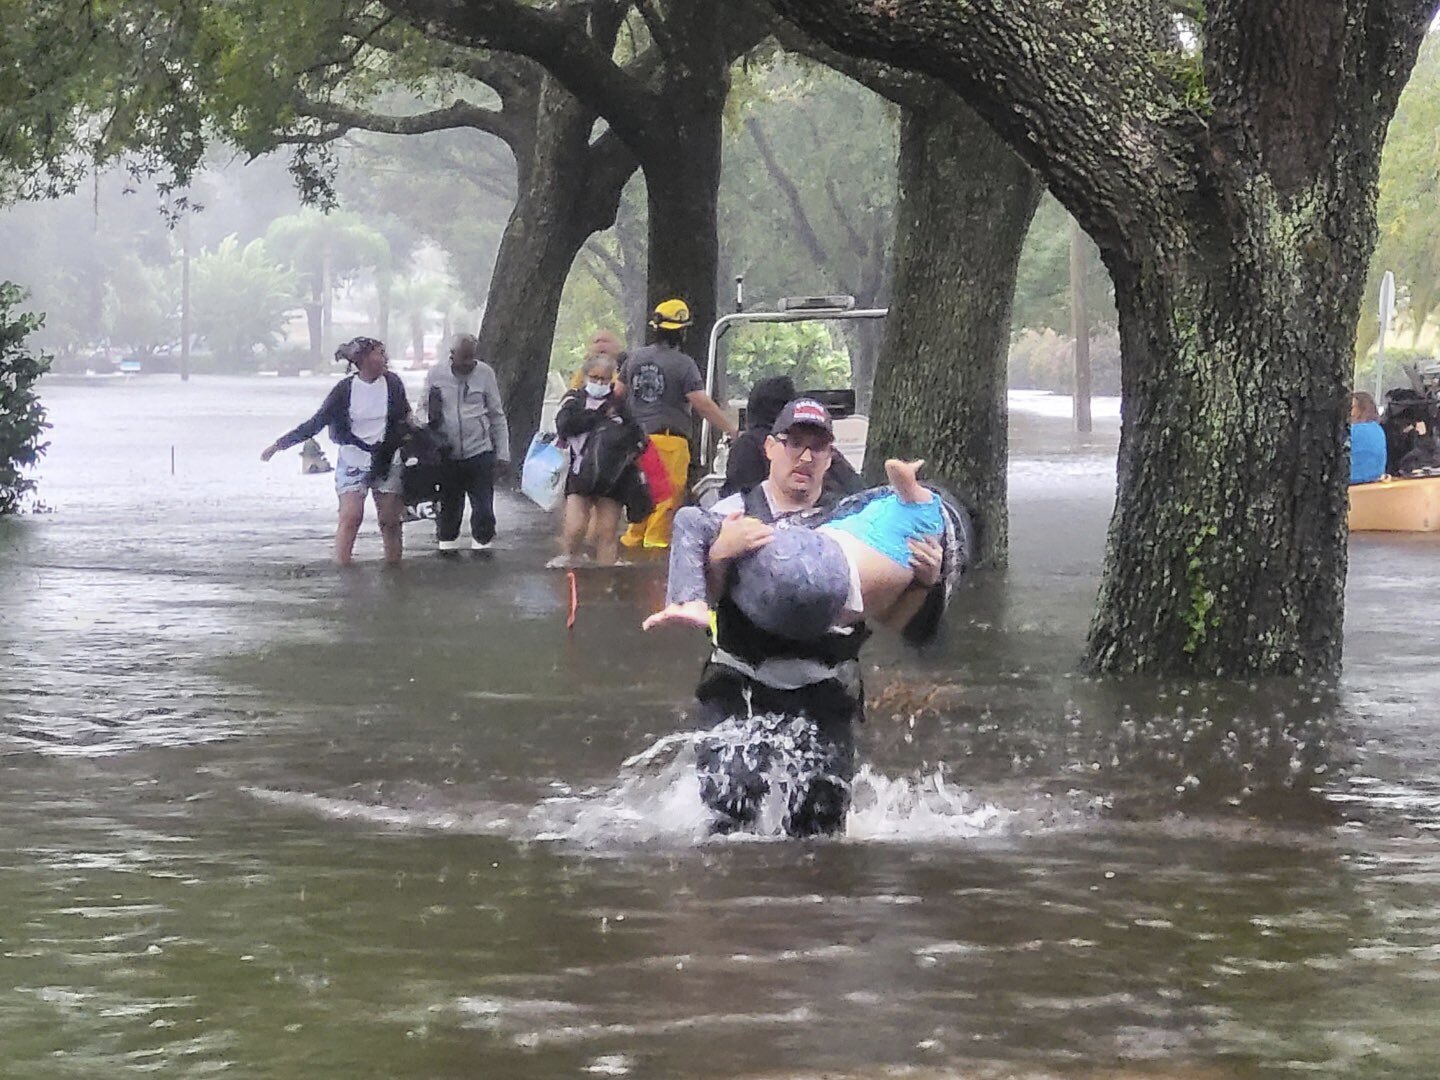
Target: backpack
x,y
610,451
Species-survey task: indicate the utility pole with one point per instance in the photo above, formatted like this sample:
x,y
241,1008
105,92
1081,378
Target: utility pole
x,y
185,295
1080,328
1387,313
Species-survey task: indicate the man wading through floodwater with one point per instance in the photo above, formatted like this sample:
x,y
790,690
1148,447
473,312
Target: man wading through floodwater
x,y
782,712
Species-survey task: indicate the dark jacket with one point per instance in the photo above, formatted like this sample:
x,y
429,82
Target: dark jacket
x,y
747,464
615,442
1404,410
334,413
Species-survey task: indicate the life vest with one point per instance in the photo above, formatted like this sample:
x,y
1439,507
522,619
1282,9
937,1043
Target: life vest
x,y
780,662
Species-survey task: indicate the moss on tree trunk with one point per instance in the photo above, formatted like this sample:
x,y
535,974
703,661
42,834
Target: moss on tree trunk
x,y
1228,177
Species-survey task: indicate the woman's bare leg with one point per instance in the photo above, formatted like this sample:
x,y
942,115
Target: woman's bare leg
x,y
573,526
390,510
352,513
903,478
606,531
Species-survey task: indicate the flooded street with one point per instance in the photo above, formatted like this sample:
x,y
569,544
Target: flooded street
x,y
266,818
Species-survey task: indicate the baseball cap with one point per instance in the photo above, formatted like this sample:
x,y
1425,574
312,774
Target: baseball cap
x,y
803,411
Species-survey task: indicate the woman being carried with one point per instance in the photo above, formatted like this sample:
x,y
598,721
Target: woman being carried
x,y
851,562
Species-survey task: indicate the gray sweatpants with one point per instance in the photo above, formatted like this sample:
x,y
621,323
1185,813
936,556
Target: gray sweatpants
x,y
795,586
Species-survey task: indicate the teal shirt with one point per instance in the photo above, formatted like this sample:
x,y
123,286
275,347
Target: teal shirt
x,y
888,525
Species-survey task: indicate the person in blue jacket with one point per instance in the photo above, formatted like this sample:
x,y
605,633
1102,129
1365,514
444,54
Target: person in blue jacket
x,y
1367,440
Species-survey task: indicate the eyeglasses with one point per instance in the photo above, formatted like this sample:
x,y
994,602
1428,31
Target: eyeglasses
x,y
818,448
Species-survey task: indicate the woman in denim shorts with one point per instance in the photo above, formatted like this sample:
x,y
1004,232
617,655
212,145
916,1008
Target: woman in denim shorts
x,y
368,415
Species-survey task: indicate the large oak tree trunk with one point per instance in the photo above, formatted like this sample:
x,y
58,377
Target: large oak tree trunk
x,y
683,262
1227,546
965,205
1231,192
681,162
567,189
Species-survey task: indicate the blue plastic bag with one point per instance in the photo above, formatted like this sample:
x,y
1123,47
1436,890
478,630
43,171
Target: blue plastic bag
x,y
542,477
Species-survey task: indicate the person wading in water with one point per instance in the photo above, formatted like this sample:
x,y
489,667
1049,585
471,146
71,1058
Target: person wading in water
x,y
781,711
368,416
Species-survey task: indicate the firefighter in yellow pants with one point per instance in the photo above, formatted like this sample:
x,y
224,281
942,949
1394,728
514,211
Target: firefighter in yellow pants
x,y
663,387
654,531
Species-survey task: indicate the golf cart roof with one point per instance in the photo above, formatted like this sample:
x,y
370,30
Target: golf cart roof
x,y
789,309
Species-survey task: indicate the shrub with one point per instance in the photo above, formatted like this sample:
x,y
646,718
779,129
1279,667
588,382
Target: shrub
x,y
1044,360
241,299
22,418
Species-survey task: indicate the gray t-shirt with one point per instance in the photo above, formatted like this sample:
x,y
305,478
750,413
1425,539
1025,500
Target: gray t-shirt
x,y
657,379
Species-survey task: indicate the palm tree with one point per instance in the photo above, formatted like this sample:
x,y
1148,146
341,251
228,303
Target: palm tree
x,y
242,298
419,302
325,249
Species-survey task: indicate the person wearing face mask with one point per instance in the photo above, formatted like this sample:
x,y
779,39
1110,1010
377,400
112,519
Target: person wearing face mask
x,y
463,406
605,441
602,341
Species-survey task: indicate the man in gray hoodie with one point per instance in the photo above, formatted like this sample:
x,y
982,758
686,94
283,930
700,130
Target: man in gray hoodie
x,y
463,406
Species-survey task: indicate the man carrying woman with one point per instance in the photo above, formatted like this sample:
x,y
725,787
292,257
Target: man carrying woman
x,y
782,709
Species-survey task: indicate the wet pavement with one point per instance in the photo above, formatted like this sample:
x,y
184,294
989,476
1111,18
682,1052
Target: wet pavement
x,y
267,818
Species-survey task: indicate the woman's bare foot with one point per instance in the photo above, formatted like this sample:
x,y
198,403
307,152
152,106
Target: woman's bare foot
x,y
690,613
903,478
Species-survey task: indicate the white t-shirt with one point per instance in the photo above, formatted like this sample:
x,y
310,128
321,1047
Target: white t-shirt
x,y
369,403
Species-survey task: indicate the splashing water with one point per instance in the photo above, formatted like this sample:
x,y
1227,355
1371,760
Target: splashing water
x,y
656,800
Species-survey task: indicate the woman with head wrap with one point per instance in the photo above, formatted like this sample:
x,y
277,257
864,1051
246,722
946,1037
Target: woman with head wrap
x,y
368,415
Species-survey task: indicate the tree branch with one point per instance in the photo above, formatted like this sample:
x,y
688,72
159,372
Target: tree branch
x,y
549,35
659,32
345,59
609,165
857,242
1079,99
303,138
458,114
903,88
788,191
608,272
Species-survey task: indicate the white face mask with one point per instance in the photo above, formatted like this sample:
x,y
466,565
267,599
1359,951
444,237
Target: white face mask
x,y
596,388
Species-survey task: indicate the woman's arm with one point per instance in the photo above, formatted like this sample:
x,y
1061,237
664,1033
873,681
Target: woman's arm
x,y
312,427
573,418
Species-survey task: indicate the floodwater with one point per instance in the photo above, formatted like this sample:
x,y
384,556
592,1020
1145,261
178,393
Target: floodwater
x,y
264,818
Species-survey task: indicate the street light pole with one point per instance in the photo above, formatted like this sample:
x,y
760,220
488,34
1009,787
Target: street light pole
x,y
1387,312
185,295
1080,328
